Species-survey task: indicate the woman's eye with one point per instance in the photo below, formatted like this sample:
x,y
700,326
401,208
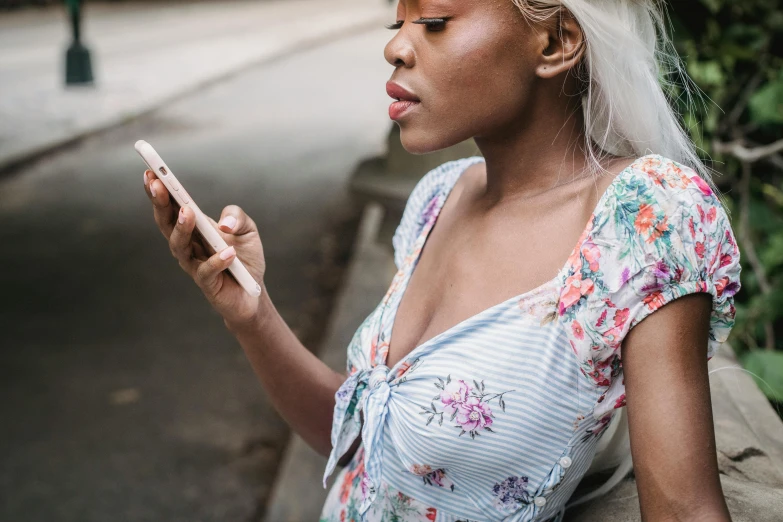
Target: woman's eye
x,y
433,24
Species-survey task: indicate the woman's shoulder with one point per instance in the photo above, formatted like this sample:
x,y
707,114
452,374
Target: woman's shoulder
x,y
661,233
428,191
657,181
662,209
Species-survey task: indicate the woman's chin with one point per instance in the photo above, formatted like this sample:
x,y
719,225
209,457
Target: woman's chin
x,y
419,142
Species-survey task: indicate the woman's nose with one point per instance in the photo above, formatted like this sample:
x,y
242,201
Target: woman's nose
x,y
399,51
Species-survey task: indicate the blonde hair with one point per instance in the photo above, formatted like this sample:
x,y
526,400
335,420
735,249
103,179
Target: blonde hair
x,y
628,58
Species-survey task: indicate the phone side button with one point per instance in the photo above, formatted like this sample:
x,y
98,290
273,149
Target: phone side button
x,y
174,185
185,196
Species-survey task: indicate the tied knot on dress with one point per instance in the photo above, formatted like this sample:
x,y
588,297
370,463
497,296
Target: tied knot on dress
x,y
378,376
366,391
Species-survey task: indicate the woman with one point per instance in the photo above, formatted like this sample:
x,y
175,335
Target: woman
x,y
528,318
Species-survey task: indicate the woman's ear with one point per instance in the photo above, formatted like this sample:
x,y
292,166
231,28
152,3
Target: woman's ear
x,y
562,46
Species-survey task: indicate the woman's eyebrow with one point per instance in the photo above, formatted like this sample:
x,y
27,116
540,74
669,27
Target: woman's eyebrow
x,y
430,5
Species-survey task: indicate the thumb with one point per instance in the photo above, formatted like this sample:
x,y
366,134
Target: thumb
x,y
233,220
208,273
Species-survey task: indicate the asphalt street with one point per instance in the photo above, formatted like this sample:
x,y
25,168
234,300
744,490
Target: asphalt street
x,y
124,398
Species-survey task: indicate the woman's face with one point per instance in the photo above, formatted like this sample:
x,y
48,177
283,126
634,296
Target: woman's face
x,y
472,74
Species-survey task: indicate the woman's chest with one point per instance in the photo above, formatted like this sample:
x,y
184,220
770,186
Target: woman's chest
x,y
498,375
500,400
460,273
498,397
506,374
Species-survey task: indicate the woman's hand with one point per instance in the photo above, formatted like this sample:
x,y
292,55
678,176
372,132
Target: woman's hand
x,y
225,295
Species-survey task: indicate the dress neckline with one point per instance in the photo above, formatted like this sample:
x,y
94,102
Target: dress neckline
x,y
412,261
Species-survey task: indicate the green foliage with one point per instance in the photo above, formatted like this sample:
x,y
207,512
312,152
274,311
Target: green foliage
x,y
733,51
766,104
767,370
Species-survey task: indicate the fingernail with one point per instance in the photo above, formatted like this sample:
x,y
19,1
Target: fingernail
x,y
152,189
225,254
145,178
229,222
181,218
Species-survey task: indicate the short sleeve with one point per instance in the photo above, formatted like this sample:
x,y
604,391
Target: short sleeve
x,y
661,234
415,215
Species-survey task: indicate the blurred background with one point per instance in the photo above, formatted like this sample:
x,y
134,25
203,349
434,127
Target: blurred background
x,y
124,397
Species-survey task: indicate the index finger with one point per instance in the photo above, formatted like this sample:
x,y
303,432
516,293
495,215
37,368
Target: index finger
x,y
164,211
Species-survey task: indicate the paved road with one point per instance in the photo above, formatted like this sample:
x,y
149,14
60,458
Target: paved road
x,y
144,54
123,396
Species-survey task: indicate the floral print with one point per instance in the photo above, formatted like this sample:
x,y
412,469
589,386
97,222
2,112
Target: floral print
x,y
454,394
511,493
348,485
539,306
468,407
405,368
343,501
402,508
599,427
657,233
432,477
472,415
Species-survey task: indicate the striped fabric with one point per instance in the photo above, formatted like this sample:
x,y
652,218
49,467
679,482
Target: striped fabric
x,y
493,419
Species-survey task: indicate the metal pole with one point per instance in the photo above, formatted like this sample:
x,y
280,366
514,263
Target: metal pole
x,y
78,67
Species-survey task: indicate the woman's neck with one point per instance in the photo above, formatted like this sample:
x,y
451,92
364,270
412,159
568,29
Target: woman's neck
x,y
543,149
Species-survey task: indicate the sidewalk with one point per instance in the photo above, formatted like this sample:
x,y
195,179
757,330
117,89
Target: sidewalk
x,y
145,55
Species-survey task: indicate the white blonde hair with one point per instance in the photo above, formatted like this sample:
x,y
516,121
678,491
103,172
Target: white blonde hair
x,y
629,56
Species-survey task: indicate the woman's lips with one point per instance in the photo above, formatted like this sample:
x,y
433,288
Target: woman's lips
x,y
405,100
398,108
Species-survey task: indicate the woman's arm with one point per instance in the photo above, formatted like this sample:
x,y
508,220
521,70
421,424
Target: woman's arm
x,y
300,386
670,414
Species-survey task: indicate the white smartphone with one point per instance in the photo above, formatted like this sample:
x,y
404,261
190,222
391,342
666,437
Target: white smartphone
x,y
203,225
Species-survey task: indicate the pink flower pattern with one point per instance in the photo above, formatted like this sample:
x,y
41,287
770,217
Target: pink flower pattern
x,y
468,407
473,415
453,395
433,477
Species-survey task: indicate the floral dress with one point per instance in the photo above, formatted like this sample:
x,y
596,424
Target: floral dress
x,y
498,417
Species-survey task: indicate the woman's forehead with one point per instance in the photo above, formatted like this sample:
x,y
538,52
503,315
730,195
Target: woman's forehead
x,y
434,4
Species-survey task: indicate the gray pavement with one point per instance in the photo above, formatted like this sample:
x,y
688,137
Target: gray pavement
x,y
366,281
144,55
124,397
